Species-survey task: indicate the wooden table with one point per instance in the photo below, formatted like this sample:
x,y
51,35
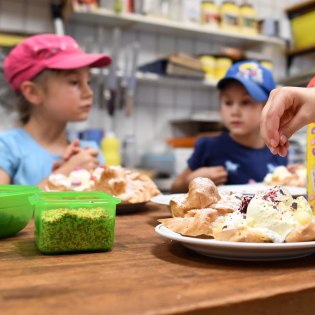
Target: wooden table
x,y
145,274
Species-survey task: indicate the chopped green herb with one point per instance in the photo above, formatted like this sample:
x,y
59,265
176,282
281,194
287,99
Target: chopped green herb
x,y
75,230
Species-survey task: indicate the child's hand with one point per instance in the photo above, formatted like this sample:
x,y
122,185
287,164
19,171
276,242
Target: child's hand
x,y
85,158
217,174
72,149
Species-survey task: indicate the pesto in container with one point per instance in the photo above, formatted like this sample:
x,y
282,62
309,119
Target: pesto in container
x,y
69,222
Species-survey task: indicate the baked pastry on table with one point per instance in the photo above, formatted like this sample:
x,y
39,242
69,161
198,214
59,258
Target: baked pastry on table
x,y
295,175
272,215
128,185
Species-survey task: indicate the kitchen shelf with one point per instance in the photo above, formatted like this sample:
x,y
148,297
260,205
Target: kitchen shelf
x,y
152,78
147,23
173,81
300,80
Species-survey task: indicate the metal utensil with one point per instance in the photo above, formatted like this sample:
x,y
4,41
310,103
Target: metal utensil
x,y
101,78
124,80
112,76
132,82
56,7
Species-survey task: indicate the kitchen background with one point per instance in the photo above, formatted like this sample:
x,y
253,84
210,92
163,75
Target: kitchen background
x,y
163,107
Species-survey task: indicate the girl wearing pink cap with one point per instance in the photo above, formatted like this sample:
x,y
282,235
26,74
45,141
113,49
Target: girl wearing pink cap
x,y
50,75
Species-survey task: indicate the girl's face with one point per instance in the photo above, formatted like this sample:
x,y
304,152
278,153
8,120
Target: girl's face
x,y
68,96
240,113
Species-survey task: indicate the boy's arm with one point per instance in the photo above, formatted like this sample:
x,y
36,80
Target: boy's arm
x,y
217,174
4,177
180,183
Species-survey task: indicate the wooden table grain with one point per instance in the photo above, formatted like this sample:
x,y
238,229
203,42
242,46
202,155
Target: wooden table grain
x,y
145,274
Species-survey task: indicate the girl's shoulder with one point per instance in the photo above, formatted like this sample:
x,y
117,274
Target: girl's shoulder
x,y
14,134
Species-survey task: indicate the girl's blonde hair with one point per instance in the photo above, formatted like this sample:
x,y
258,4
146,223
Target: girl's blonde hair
x,y
23,106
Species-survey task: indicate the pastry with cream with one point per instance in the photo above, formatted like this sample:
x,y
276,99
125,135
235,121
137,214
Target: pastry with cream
x,y
128,185
282,176
78,180
271,215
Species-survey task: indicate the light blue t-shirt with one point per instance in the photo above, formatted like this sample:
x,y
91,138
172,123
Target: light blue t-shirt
x,y
25,161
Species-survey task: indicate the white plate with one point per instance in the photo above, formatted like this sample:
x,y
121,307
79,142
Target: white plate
x,y
165,199
251,189
244,189
240,251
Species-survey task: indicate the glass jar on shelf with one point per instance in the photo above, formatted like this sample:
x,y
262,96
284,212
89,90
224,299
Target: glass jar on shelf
x,y
229,14
248,19
209,14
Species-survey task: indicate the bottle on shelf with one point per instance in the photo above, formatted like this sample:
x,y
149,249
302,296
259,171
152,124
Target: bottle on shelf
x,y
209,14
111,149
248,19
229,13
129,151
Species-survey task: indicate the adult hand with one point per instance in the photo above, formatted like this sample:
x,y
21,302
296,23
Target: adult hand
x,y
287,110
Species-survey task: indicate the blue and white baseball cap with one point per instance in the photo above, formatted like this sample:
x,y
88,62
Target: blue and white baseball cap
x,y
256,79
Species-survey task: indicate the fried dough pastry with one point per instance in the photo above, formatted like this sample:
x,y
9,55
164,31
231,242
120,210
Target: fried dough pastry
x,y
195,223
128,185
241,235
202,193
282,176
229,202
302,233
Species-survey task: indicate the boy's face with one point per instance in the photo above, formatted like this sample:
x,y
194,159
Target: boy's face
x,y
68,95
240,112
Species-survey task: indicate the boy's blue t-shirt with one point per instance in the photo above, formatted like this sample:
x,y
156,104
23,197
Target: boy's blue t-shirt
x,y
242,163
25,161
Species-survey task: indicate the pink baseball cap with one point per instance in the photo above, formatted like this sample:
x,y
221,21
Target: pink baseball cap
x,y
47,51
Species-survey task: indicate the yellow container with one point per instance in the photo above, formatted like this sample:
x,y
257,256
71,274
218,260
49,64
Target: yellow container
x,y
209,67
310,158
111,150
248,19
310,164
267,64
229,13
209,14
302,27
222,66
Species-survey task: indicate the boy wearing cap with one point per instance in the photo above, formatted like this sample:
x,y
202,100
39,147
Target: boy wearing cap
x,y
240,155
50,75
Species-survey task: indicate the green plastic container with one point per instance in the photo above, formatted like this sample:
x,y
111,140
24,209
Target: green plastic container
x,y
15,208
69,222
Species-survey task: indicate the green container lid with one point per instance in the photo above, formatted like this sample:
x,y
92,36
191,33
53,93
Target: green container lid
x,y
15,208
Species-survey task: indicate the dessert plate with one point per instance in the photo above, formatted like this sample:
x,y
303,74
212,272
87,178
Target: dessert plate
x,y
243,189
251,189
165,199
240,251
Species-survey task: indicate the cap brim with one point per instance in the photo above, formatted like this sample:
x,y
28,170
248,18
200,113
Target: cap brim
x,y
254,90
76,61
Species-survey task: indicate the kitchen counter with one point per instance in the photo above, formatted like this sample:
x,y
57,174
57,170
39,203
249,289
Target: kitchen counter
x,y
145,274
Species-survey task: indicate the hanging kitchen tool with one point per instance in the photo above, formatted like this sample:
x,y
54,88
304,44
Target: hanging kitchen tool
x,y
112,76
101,78
56,7
124,80
132,81
7,96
